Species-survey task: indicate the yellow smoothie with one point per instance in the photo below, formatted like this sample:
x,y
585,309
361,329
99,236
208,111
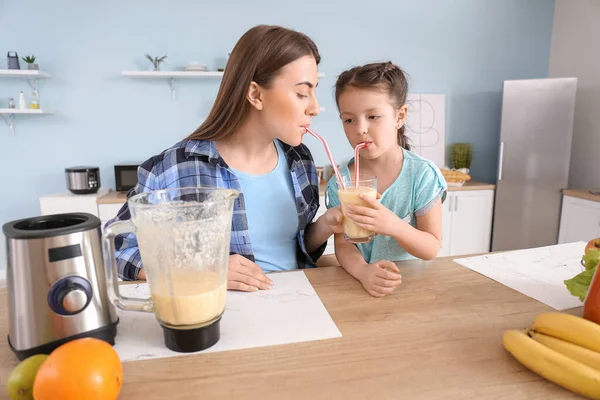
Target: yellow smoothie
x,y
347,197
197,297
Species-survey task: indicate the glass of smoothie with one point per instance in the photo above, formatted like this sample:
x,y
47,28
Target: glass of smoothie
x,y
349,195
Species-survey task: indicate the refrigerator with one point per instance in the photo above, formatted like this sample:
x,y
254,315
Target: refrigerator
x,y
533,161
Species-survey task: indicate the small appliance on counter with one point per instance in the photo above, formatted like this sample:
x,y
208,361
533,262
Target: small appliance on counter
x,y
56,283
82,179
126,176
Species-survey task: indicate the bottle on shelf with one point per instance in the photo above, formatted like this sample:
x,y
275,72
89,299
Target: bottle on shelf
x,y
22,103
35,100
11,102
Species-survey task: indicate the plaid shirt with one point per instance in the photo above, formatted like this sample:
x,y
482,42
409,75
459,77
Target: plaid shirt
x,y
198,163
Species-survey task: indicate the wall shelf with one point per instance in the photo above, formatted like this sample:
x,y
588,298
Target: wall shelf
x,y
172,75
31,75
8,113
23,73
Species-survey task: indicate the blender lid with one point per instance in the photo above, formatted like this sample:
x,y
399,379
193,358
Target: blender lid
x,y
50,225
82,168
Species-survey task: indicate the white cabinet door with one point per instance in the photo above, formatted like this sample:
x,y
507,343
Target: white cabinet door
x,y
67,202
471,222
446,224
579,221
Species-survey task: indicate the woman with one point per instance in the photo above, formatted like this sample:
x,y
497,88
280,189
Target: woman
x,y
251,141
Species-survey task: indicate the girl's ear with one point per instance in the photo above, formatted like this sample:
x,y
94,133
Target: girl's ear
x,y
254,95
401,116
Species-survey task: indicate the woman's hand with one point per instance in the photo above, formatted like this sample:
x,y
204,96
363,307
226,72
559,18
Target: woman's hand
x,y
375,218
334,219
245,275
380,278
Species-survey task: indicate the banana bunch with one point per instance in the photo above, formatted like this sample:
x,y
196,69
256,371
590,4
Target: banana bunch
x,y
562,348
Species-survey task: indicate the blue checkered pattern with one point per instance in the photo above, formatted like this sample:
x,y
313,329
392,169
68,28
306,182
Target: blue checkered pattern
x,y
192,163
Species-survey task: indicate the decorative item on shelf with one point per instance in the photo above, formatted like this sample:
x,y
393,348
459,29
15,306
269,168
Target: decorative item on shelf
x,y
195,66
156,61
11,102
30,60
221,69
13,60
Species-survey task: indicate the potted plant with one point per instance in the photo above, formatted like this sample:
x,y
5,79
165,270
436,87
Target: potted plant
x,y
156,61
462,154
30,60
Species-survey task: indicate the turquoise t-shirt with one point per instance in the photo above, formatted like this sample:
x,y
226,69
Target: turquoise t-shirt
x,y
414,192
272,215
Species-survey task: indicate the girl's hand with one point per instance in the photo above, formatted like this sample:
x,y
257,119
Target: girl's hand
x,y
376,217
245,275
380,278
334,219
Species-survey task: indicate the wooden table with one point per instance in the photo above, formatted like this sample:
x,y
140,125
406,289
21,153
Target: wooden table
x,y
437,337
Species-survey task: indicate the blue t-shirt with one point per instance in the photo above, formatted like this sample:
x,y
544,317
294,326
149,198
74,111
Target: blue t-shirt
x,y
272,215
415,191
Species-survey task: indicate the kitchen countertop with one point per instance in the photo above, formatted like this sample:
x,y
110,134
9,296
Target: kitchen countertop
x,y
438,336
120,197
581,194
472,185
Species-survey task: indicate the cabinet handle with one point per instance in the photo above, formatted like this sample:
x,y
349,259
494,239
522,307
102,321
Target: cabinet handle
x,y
456,204
450,203
500,161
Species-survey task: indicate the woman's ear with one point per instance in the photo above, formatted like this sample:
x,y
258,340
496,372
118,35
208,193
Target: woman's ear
x,y
254,95
401,116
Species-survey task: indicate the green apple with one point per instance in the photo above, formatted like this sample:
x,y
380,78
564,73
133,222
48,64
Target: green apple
x,y
20,381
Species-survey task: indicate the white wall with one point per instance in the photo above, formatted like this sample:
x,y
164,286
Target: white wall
x,y
575,51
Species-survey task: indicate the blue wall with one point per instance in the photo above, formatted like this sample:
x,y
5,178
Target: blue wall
x,y
462,48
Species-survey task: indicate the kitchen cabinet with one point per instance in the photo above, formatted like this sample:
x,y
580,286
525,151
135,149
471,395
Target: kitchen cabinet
x,y
579,220
67,202
467,222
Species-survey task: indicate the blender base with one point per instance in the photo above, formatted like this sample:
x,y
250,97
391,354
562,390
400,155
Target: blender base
x,y
192,340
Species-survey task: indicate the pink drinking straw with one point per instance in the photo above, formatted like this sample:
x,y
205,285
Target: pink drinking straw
x,y
331,160
356,149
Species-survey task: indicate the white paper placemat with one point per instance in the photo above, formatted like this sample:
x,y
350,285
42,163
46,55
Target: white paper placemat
x,y
289,312
538,273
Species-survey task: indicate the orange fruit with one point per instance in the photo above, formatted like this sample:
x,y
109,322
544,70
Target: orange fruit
x,y
85,368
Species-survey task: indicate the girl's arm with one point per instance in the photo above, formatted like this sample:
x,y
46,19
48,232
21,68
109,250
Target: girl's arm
x,y
423,242
349,257
379,278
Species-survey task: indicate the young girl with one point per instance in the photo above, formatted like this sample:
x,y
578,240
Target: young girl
x,y
407,217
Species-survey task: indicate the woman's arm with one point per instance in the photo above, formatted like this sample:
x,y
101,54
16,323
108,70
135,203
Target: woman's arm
x,y
326,225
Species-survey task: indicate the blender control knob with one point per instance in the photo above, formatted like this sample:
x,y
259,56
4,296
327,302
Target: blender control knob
x,y
70,295
74,301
